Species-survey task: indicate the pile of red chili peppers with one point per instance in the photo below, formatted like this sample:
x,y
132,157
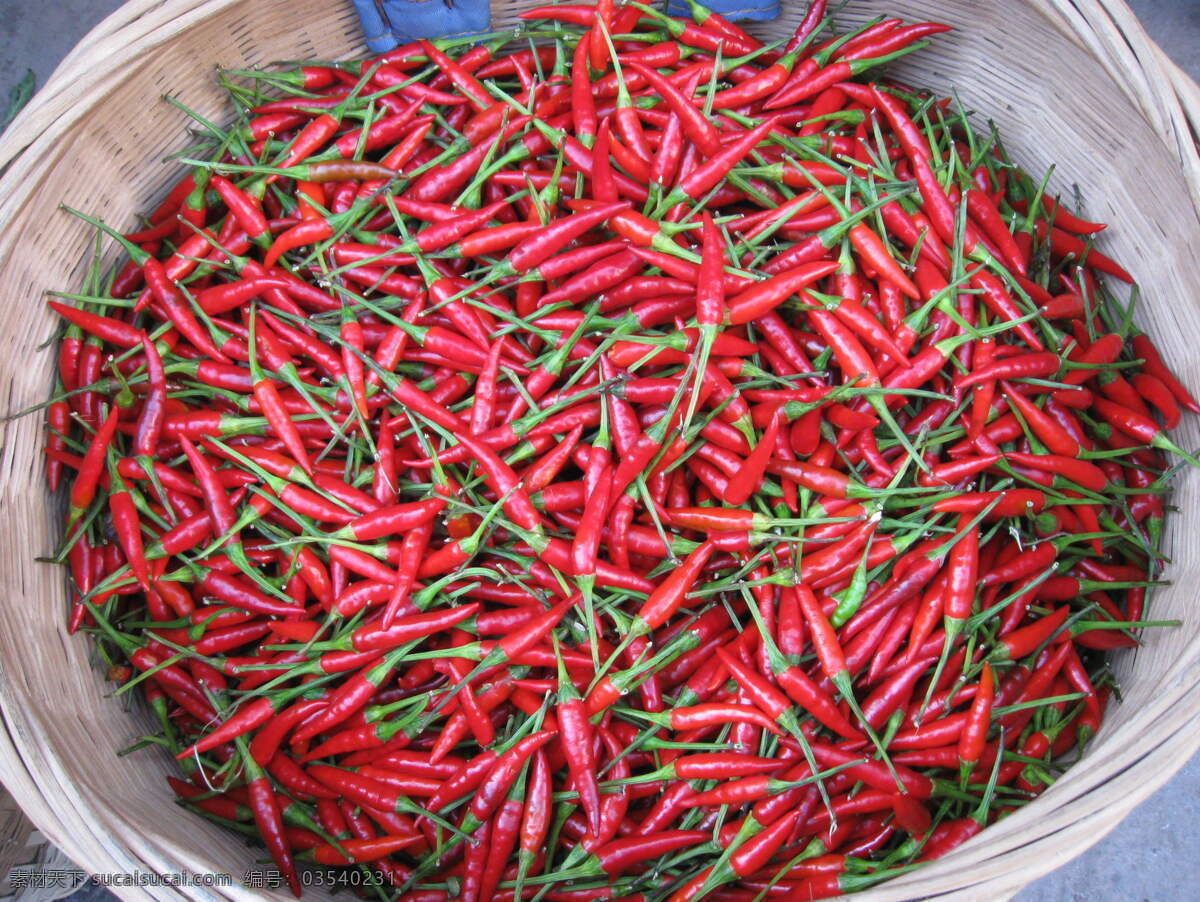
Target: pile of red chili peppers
x,y
616,460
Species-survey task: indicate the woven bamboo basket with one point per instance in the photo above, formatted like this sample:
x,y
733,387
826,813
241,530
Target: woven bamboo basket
x,y
1072,82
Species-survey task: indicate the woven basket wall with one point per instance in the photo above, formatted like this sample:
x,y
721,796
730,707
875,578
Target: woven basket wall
x,y
1073,83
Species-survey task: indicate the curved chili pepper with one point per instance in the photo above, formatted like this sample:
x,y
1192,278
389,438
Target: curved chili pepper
x,y
264,805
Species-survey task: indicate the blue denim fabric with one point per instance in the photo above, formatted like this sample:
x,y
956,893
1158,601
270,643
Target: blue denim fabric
x,y
734,10
388,23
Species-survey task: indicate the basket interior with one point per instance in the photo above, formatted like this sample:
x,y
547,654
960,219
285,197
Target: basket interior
x,y
1053,104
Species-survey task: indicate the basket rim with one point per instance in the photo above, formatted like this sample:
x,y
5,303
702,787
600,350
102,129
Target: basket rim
x,y
137,27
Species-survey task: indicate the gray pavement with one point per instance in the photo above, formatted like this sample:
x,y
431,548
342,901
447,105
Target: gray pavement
x,y
1154,854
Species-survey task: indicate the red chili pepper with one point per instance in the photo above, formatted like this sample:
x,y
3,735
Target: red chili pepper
x,y
748,479
127,526
764,297
669,595
974,732
1154,365
712,713
83,490
105,328
962,571
1135,425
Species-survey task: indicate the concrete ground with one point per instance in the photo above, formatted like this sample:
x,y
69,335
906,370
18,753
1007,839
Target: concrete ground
x,y
1152,856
